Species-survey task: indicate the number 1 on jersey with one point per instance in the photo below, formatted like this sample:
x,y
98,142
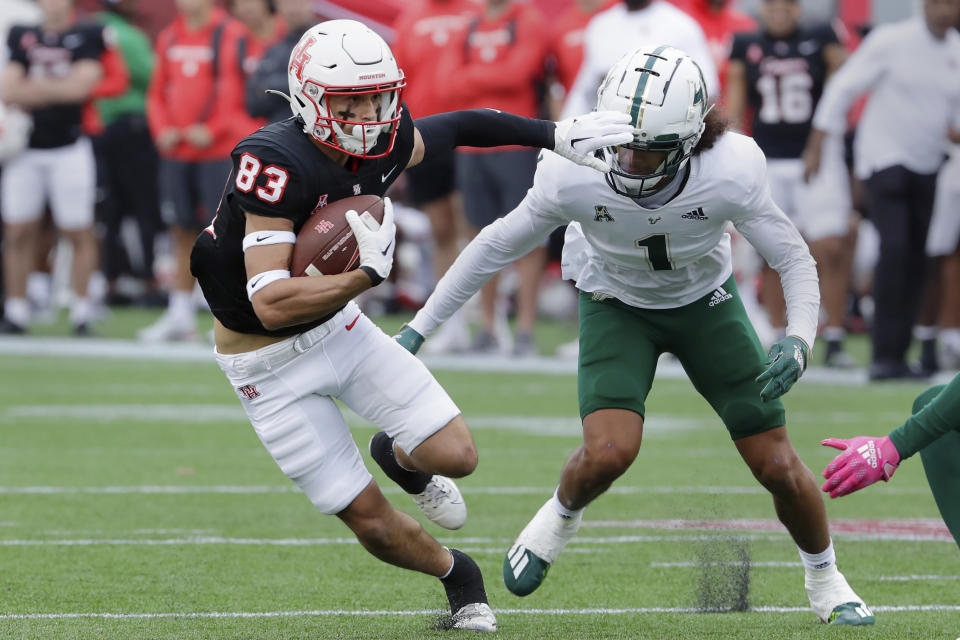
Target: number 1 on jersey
x,y
657,248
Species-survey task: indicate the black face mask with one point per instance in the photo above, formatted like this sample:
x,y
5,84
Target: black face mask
x,y
633,5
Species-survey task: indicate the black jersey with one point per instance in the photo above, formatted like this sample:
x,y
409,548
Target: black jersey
x,y
277,171
47,54
785,78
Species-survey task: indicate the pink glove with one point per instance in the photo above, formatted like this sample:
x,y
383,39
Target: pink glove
x,y
864,461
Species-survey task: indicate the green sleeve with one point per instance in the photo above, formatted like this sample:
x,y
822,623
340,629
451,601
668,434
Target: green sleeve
x,y
138,54
939,416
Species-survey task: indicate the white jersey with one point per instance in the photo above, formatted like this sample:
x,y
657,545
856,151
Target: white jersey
x,y
914,85
659,258
614,32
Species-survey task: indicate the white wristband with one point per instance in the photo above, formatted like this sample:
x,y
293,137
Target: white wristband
x,y
261,280
263,238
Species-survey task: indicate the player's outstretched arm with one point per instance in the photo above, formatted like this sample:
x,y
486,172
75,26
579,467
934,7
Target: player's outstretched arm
x,y
864,461
496,246
575,139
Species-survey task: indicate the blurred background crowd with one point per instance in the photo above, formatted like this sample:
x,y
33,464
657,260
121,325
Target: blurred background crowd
x,y
118,117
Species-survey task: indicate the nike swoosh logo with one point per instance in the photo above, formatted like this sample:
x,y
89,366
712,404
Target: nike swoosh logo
x,y
384,252
573,143
256,282
350,326
383,178
262,238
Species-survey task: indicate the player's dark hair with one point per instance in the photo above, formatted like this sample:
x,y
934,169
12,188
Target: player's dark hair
x,y
715,125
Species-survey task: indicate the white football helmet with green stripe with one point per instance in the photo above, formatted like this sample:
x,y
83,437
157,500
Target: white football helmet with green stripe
x,y
663,91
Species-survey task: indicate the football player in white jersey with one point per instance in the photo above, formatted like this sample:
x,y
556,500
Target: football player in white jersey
x,y
647,247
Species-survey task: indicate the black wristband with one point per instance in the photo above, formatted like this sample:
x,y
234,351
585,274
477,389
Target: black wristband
x,y
482,128
375,277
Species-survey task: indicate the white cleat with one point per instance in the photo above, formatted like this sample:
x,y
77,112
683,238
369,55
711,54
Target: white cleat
x,y
167,329
537,548
832,599
475,617
442,503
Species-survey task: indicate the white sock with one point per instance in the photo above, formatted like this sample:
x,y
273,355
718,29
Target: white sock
x,y
453,561
950,337
40,289
17,311
181,306
819,561
562,510
81,311
834,334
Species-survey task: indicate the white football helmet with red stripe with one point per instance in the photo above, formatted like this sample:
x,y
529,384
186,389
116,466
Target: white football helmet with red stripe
x,y
344,57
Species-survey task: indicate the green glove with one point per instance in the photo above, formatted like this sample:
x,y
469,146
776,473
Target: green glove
x,y
409,339
786,360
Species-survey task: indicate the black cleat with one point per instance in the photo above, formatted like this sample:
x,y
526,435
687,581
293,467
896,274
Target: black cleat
x,y
467,596
11,328
895,371
83,330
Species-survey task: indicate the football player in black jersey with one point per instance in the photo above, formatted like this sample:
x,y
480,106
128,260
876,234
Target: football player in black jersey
x,y
779,73
52,71
290,345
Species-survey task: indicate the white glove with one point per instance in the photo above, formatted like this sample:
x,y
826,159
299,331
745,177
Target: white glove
x,y
577,138
375,241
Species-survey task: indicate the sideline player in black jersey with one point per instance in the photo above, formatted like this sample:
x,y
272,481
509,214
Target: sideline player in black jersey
x,y
779,72
52,71
290,345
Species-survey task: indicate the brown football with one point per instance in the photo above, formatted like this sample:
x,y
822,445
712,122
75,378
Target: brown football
x,y
325,244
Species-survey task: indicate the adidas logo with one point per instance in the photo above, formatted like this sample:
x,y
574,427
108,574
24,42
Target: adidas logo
x,y
696,214
719,295
518,559
868,451
798,356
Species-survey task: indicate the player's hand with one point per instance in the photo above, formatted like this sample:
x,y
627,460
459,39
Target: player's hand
x,y
409,338
376,242
198,135
576,139
786,361
167,139
864,461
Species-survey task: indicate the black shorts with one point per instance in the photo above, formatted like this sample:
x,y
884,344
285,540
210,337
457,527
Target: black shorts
x,y
432,180
493,184
190,192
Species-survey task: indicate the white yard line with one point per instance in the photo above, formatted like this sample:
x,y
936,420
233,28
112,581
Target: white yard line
x,y
912,578
425,612
200,413
197,352
765,564
578,542
493,491
274,489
